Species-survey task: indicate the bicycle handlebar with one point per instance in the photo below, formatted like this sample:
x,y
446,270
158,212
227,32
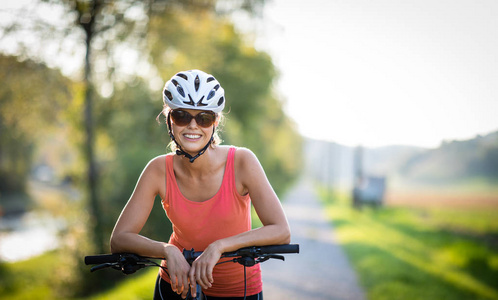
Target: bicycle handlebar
x,y
129,263
276,249
101,259
191,255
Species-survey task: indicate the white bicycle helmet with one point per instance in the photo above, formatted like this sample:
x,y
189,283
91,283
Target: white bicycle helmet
x,y
194,89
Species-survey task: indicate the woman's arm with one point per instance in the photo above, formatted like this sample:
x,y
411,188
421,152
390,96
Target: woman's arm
x,y
126,238
250,178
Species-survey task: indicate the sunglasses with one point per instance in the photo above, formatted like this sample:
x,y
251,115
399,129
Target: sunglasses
x,y
183,118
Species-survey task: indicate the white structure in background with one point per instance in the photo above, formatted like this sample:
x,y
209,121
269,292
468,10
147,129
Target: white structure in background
x,y
367,189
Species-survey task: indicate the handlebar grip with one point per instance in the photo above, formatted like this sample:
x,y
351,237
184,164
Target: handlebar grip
x,y
275,249
101,259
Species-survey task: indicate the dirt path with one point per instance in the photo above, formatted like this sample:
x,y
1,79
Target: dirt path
x,y
321,270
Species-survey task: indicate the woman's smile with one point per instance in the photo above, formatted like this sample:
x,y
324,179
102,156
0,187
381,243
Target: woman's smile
x,y
192,136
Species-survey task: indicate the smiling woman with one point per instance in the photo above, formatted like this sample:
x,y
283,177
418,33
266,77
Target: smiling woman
x,y
210,98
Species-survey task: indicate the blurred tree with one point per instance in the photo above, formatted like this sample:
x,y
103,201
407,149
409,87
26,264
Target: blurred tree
x,y
31,99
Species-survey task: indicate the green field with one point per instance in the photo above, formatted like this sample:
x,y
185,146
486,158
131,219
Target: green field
x,y
422,253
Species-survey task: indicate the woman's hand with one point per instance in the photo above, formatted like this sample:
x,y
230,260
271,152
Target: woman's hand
x,y
202,268
178,270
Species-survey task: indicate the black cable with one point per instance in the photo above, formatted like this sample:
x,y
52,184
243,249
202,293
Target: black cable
x,y
245,283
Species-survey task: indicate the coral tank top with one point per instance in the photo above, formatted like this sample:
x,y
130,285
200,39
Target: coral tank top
x,y
198,224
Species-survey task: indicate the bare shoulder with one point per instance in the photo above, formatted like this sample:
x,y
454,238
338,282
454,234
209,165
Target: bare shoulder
x,y
245,158
158,161
247,166
157,165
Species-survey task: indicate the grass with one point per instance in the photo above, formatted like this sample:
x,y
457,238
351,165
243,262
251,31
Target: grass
x,y
423,253
29,279
138,286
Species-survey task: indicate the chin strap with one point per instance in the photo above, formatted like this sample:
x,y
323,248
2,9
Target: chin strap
x,y
180,151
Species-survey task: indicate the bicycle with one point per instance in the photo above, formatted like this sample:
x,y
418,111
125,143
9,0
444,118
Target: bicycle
x,y
129,263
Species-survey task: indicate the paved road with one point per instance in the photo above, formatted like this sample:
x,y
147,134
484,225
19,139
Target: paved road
x,y
309,275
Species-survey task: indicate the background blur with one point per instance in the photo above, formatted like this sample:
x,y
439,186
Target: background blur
x,y
389,107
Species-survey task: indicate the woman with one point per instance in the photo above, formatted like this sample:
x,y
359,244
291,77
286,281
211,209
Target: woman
x,y
206,190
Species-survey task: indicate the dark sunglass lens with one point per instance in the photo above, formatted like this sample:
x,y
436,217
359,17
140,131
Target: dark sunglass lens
x,y
180,117
205,119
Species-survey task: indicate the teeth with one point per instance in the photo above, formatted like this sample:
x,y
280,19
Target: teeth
x,y
192,136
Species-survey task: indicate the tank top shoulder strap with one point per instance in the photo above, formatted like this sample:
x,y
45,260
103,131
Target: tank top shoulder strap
x,y
170,176
230,174
229,169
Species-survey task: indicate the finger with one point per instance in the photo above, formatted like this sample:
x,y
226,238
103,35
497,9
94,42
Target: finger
x,y
203,277
210,276
192,281
198,277
184,293
193,289
191,276
181,284
207,276
173,283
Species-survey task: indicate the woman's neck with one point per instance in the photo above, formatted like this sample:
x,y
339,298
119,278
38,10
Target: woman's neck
x,y
202,164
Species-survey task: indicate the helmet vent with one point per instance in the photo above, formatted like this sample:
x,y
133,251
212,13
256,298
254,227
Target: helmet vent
x,y
182,76
216,87
211,94
168,95
180,90
175,82
220,102
197,82
210,79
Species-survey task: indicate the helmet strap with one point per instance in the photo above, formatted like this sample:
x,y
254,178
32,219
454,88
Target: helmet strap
x,y
180,150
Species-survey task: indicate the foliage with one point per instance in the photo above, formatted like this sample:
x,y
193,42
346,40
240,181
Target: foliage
x,y
456,160
134,137
419,254
32,97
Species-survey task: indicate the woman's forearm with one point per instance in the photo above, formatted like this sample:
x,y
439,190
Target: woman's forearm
x,y
138,244
266,235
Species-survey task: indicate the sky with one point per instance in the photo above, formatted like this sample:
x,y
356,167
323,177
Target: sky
x,y
385,72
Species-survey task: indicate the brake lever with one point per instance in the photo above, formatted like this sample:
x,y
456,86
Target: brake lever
x,y
103,266
270,256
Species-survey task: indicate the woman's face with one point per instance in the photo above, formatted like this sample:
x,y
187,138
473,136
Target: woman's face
x,y
192,137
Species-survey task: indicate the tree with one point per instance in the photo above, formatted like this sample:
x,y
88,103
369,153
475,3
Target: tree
x,y
31,99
